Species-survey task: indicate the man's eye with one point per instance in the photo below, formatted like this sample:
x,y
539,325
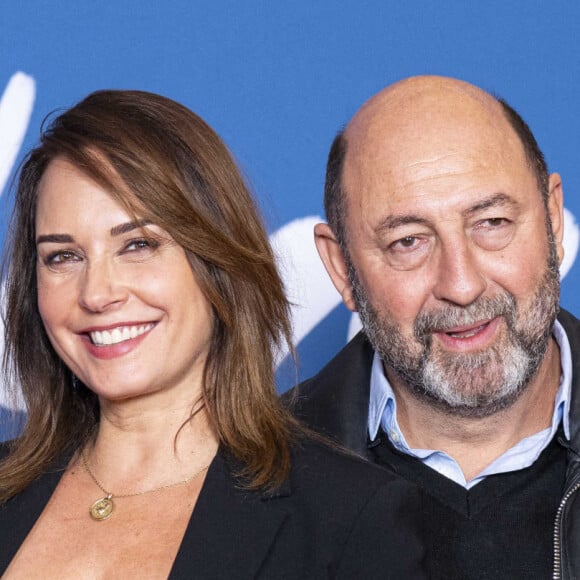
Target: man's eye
x,y
494,233
405,243
409,252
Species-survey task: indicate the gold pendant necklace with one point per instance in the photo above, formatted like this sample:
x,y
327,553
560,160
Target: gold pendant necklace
x,y
103,508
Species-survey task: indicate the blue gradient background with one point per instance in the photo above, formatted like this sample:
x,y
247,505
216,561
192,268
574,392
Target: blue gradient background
x,y
276,80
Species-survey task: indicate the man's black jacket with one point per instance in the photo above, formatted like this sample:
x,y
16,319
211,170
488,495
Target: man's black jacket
x,y
335,402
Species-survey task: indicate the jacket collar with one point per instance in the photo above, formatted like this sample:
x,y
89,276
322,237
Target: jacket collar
x,y
228,535
18,515
572,327
231,529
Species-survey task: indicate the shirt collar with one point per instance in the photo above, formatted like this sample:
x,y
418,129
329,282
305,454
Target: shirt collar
x,y
383,406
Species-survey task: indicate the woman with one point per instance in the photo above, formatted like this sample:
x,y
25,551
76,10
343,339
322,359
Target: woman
x,y
143,311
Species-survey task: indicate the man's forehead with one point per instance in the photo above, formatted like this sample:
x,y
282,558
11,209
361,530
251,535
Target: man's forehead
x,y
409,113
424,94
427,134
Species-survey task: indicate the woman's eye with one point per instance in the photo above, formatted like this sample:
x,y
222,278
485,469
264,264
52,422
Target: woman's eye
x,y
141,244
61,257
140,248
61,260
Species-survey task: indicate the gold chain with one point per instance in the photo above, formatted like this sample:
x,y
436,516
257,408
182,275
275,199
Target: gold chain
x,y
118,496
102,508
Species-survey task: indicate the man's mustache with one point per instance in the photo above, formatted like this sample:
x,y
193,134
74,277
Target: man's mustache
x,y
450,316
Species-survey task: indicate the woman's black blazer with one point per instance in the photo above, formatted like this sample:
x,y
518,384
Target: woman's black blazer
x,y
335,517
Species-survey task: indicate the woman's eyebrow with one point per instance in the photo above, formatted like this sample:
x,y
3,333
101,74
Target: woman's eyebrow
x,y
114,231
128,227
55,239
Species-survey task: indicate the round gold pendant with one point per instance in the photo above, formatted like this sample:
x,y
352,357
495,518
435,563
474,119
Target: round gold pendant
x,y
102,508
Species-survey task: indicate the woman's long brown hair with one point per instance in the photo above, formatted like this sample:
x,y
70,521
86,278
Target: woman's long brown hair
x,y
165,164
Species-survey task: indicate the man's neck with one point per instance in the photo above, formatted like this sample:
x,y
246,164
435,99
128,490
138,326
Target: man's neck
x,y
475,442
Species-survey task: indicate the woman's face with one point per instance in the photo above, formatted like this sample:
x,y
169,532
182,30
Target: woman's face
x,y
119,300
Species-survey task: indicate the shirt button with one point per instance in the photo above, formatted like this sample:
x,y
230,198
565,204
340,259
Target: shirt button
x,y
394,437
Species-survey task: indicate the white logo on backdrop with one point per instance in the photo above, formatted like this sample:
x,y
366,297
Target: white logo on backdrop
x,y
571,242
309,288
16,107
15,111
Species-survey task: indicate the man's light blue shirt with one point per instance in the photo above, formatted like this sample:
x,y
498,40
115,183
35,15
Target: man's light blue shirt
x,y
383,413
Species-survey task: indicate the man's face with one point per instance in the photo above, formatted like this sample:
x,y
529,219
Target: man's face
x,y
452,263
469,384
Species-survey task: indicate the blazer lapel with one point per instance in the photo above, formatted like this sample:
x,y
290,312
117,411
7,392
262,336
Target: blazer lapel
x,y
231,529
572,328
18,515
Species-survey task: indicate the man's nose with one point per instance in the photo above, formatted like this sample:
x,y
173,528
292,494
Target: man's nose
x,y
459,279
101,287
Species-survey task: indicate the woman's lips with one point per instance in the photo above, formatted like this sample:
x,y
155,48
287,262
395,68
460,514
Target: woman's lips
x,y
115,341
119,334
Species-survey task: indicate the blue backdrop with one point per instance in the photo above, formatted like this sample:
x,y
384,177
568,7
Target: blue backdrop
x,y
276,80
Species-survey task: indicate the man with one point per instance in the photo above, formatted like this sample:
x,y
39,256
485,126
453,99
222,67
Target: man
x,y
445,234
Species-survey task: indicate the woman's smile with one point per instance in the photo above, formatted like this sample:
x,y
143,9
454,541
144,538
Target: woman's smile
x,y
118,297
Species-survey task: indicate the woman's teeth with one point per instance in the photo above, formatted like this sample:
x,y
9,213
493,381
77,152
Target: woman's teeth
x,y
119,334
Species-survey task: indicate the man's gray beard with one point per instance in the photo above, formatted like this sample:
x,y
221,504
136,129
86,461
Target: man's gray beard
x,y
468,384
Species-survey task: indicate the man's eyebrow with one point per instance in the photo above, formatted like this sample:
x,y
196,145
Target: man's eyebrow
x,y
496,200
114,231
392,222
128,227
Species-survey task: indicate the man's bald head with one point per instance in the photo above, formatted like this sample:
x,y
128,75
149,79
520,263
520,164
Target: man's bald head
x,y
425,115
449,236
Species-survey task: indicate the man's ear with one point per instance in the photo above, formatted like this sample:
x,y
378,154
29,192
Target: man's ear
x,y
334,262
555,204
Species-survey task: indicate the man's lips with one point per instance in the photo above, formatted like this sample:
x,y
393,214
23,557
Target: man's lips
x,y
470,336
466,331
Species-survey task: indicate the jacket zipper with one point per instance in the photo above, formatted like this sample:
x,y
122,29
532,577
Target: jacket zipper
x,y
557,531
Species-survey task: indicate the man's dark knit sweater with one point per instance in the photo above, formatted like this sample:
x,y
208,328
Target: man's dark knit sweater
x,y
499,529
